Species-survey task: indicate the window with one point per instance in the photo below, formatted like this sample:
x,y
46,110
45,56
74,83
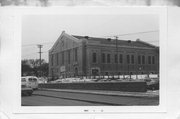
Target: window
x,y
143,59
149,59
52,58
106,73
139,59
75,54
115,58
62,58
57,59
108,58
23,79
103,57
120,58
128,59
30,79
153,60
94,57
132,59
69,56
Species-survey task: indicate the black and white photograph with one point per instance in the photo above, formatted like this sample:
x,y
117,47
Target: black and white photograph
x,y
90,60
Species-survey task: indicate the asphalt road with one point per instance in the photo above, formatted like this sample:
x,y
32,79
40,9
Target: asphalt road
x,y
54,98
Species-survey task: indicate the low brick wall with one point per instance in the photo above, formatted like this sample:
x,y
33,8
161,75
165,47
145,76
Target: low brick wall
x,y
112,86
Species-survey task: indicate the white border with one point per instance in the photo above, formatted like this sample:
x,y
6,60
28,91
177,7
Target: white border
x,y
15,47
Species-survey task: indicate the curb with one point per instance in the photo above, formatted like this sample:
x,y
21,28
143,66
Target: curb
x,y
125,94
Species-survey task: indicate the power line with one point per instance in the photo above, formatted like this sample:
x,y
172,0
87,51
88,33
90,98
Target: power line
x,y
29,54
45,43
143,32
49,43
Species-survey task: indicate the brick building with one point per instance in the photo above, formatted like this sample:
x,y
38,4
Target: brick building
x,y
87,56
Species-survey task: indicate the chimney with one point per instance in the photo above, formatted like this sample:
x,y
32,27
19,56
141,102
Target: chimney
x,y
137,39
129,41
63,31
86,37
109,39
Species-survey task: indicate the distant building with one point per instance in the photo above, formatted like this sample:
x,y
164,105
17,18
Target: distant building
x,y
89,56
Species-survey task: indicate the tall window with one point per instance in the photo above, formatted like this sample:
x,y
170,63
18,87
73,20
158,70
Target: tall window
x,y
62,58
57,59
94,57
108,58
103,57
139,59
120,58
115,58
153,60
69,57
128,59
52,58
132,59
143,59
75,54
149,59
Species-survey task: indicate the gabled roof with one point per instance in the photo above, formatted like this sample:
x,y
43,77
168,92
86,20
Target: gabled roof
x,y
137,43
75,38
63,34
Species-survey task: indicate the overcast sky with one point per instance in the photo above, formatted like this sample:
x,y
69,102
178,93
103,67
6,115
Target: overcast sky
x,y
45,29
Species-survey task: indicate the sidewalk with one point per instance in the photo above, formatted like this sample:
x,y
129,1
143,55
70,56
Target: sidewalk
x,y
148,94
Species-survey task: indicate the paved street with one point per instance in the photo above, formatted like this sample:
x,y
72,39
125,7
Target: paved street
x,y
68,98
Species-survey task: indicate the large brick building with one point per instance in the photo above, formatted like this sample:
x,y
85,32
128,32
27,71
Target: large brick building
x,y
86,56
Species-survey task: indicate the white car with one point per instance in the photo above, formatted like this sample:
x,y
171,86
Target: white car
x,y
25,90
30,81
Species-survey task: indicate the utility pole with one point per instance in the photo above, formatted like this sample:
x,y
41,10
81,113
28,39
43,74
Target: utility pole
x,y
40,46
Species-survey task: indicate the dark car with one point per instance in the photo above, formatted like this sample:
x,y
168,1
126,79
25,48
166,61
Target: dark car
x,y
153,85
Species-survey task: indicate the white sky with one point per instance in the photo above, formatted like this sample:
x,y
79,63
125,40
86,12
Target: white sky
x,y
45,29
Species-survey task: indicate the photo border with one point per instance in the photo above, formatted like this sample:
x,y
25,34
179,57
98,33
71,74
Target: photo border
x,y
16,40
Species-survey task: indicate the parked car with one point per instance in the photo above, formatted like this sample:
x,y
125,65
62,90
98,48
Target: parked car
x,y
57,81
153,85
42,80
25,90
30,81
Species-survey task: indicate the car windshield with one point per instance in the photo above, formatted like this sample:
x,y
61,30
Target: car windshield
x,y
32,79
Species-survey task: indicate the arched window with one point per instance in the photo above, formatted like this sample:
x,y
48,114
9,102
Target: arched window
x,y
128,59
120,58
94,58
115,58
149,59
132,59
143,59
103,57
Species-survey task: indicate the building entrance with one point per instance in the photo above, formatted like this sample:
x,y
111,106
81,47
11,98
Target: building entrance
x,y
76,71
95,72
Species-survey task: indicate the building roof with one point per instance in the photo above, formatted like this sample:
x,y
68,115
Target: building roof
x,y
106,41
137,43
